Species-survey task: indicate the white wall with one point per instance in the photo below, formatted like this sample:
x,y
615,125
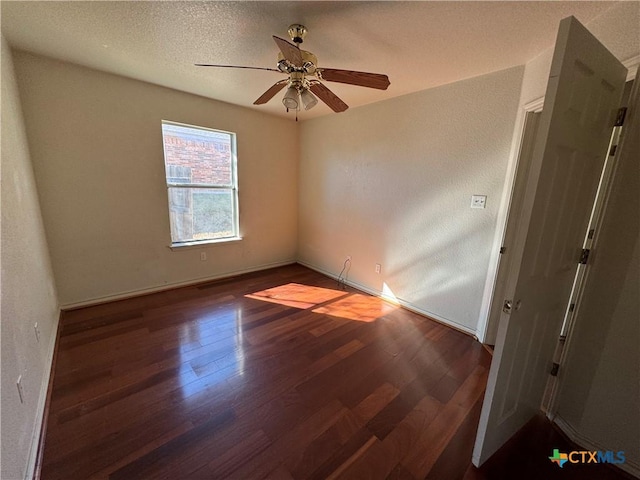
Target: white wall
x,y
391,183
28,288
600,378
96,146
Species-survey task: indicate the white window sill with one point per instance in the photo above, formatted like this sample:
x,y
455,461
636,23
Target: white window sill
x,y
203,243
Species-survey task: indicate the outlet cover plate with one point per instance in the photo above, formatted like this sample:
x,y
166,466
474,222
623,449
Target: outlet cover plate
x,y
478,201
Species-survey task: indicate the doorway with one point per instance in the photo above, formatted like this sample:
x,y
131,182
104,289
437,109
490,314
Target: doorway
x,y
509,247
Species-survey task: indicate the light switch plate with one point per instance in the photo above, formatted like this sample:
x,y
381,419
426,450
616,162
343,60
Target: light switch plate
x,y
478,201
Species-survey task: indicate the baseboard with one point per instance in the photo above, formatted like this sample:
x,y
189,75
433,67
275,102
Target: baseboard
x,y
403,303
576,437
170,286
36,449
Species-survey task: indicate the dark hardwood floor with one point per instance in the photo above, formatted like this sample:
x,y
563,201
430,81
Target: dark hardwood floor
x,y
271,375
276,374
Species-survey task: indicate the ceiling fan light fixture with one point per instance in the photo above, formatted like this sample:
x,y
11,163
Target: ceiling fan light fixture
x,y
309,100
291,99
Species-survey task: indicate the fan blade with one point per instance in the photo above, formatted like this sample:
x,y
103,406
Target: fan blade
x,y
268,95
328,97
362,79
236,66
289,51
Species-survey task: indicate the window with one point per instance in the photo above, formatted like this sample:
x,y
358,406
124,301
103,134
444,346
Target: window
x,y
202,183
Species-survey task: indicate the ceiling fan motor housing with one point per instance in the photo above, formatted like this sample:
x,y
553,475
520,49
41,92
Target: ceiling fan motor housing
x,y
309,63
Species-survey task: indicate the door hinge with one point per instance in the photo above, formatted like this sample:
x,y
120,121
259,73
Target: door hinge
x,y
612,150
592,232
503,250
622,112
554,369
584,256
572,307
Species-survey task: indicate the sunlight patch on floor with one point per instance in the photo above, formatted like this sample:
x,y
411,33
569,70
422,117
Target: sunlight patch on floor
x,y
297,295
362,308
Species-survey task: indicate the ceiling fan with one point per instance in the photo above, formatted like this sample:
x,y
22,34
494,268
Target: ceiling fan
x,y
304,76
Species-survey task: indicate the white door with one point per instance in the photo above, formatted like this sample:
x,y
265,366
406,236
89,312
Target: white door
x,y
583,94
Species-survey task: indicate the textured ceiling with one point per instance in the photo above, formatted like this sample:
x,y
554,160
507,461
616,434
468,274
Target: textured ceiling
x,y
419,45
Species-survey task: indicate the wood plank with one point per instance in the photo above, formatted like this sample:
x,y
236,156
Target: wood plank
x,y
374,403
139,467
434,439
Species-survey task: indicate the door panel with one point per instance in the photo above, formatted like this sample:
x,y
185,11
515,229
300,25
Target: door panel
x,y
583,93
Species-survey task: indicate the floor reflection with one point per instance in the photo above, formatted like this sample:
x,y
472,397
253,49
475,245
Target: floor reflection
x,y
221,331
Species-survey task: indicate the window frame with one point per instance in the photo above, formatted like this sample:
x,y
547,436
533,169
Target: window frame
x,y
233,187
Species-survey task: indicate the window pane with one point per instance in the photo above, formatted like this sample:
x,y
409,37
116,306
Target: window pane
x,y
197,156
178,174
201,214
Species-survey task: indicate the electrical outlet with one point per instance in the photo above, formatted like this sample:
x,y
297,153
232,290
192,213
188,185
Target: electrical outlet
x,y
378,268
478,201
35,327
203,256
20,391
